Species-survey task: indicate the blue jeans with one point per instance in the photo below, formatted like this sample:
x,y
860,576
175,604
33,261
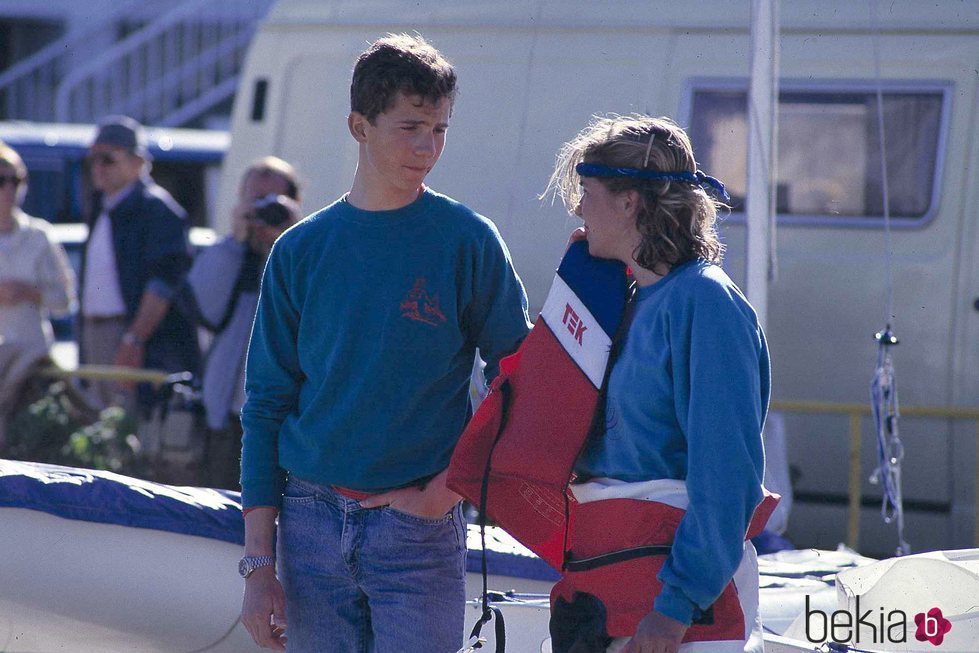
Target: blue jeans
x,y
369,581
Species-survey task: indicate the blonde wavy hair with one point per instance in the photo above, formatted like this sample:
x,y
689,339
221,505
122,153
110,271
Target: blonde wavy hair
x,y
676,220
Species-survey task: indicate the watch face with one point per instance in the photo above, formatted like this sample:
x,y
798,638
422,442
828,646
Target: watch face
x,y
243,568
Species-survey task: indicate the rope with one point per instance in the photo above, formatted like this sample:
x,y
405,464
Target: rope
x,y
489,613
885,189
890,451
883,387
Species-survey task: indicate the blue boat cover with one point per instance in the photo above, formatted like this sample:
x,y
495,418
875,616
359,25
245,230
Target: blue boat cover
x,y
108,498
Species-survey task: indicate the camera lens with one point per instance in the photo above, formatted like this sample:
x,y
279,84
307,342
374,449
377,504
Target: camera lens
x,y
271,210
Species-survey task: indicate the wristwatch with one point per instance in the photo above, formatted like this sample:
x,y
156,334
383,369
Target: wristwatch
x,y
131,339
248,564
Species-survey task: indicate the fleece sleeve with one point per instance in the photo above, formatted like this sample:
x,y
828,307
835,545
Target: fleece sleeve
x,y
496,317
720,367
272,382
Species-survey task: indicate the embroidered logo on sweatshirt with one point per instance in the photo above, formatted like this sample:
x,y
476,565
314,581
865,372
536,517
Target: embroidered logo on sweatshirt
x,y
422,306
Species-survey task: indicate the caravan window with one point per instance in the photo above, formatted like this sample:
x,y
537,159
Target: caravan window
x,y
829,168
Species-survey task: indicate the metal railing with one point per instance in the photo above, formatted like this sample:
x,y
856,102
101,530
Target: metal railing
x,y
28,87
855,414
108,373
180,64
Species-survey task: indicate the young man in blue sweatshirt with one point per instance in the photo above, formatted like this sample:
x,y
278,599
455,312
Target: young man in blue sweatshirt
x,y
369,316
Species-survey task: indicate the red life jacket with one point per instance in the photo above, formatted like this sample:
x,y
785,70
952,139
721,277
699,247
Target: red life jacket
x,y
515,459
610,575
528,431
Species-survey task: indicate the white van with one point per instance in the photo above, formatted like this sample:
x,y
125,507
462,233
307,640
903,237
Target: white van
x,y
531,74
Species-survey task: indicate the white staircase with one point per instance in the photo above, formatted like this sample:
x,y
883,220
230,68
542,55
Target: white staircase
x,y
173,68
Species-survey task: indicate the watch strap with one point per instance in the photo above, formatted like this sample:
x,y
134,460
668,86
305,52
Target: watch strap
x,y
248,564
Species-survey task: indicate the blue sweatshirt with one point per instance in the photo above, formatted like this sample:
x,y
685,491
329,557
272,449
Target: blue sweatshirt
x,y
358,367
687,399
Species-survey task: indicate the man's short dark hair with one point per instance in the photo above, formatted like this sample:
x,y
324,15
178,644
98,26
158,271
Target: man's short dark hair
x,y
399,63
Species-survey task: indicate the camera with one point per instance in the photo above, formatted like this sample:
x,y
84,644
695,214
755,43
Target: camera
x,y
272,209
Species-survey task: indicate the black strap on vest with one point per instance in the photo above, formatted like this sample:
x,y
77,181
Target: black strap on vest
x,y
500,628
488,612
594,562
597,428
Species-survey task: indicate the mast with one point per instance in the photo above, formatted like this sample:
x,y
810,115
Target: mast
x,y
762,154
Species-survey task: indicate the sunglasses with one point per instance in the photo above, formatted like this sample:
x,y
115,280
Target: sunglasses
x,y
102,159
13,180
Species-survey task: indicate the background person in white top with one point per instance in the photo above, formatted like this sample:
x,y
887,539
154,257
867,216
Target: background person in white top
x,y
35,278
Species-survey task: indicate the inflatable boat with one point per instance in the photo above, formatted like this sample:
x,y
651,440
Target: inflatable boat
x,y
96,562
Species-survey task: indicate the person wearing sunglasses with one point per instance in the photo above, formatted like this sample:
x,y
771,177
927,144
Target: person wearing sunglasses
x,y
134,259
36,280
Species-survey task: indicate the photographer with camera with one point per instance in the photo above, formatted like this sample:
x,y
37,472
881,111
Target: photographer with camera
x,y
222,293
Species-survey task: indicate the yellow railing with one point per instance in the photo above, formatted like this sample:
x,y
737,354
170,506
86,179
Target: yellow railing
x,y
855,413
108,373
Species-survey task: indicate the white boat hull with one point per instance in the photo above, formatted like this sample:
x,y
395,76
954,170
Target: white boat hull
x,y
87,587
85,583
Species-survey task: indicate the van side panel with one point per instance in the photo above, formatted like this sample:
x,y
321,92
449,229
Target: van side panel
x,y
531,75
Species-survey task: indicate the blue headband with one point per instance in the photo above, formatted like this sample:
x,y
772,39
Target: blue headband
x,y
698,178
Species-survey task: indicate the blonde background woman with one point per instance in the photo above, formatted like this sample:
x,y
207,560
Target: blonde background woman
x,y
36,280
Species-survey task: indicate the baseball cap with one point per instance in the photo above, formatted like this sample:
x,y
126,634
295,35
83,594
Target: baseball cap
x,y
124,132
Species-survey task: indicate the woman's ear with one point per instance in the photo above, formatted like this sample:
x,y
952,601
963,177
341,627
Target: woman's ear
x,y
629,202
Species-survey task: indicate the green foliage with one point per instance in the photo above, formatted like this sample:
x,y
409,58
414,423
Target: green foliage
x,y
54,429
108,443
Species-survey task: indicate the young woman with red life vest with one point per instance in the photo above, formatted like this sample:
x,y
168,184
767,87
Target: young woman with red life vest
x,y
622,442
669,488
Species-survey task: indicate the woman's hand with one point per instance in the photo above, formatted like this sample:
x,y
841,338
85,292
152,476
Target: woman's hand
x,y
13,292
656,633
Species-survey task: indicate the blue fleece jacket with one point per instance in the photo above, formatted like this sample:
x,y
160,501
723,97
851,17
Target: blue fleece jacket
x,y
359,362
687,399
